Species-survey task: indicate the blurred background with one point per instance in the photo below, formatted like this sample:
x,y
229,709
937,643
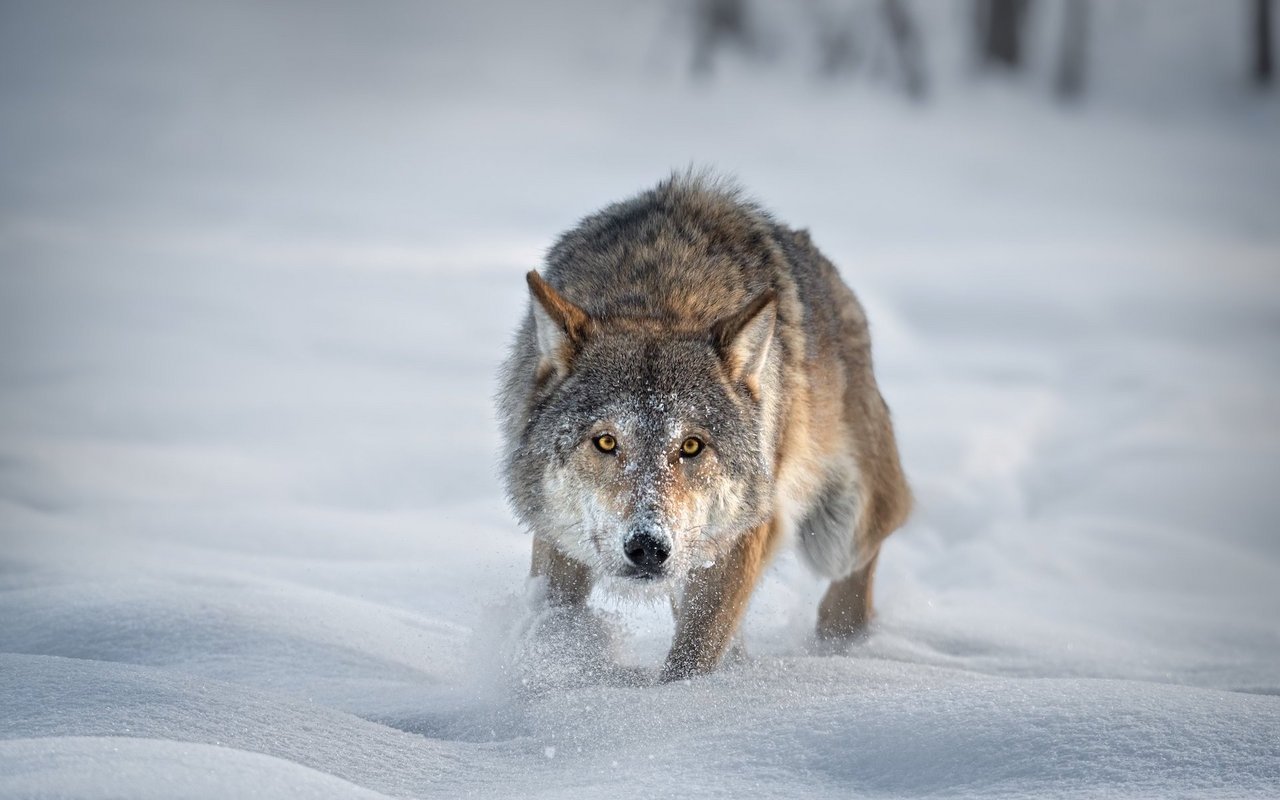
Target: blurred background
x,y
209,199
259,263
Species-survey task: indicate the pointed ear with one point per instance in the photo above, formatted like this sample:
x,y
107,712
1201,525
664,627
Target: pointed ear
x,y
743,338
561,326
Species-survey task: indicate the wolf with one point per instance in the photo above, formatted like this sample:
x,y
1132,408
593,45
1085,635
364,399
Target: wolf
x,y
692,387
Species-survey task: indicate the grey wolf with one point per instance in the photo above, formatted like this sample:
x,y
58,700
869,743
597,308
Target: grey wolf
x,y
691,388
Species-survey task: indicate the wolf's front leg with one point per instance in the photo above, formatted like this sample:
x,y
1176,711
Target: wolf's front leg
x,y
846,608
713,604
568,581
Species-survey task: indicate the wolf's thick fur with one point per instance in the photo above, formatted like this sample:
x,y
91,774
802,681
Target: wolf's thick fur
x,y
687,313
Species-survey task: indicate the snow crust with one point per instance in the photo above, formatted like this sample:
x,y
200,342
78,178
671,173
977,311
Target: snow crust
x,y
258,266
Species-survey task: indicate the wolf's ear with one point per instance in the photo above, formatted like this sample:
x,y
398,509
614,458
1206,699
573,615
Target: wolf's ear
x,y
743,338
561,326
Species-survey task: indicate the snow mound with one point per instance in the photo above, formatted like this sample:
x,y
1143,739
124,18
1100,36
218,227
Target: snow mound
x,y
147,769
834,725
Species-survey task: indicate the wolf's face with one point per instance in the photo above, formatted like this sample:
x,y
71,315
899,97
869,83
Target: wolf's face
x,y
643,456
654,461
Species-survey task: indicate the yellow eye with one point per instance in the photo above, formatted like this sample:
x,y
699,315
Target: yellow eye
x,y
605,443
691,447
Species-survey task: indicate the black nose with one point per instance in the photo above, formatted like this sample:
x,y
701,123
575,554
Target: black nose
x,y
646,551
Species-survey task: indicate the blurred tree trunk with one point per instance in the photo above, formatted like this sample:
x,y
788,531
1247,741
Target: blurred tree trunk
x,y
1262,65
906,45
838,47
1000,28
718,22
1069,81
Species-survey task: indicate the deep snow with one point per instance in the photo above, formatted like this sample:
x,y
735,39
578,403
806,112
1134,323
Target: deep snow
x,y
259,266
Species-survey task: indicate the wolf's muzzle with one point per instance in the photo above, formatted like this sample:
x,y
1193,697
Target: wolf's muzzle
x,y
647,552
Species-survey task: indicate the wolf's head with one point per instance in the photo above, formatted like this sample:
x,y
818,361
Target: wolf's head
x,y
644,453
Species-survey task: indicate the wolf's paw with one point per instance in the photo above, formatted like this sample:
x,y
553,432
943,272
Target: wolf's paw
x,y
561,647
836,642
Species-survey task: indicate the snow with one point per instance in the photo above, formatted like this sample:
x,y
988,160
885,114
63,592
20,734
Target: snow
x,y
259,265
